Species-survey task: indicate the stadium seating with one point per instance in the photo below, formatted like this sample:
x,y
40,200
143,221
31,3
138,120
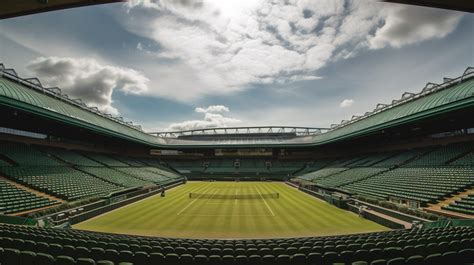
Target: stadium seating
x,y
71,157
4,163
465,205
147,174
64,246
62,182
191,166
441,155
426,184
129,161
466,160
322,173
25,155
13,199
105,160
401,158
114,176
348,176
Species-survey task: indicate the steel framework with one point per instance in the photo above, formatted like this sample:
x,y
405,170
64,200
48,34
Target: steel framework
x,y
260,130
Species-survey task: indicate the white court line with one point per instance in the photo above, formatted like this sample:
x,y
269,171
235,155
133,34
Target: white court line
x,y
270,209
189,204
226,215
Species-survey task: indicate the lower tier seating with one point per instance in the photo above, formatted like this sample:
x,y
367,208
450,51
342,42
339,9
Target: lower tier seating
x,y
421,184
30,245
465,205
62,182
13,199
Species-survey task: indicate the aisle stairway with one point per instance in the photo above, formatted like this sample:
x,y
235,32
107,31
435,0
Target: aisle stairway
x,y
438,207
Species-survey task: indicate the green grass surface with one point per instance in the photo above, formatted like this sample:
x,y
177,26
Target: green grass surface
x,y
293,214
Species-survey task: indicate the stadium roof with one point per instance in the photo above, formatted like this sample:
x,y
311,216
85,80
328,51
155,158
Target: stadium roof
x,y
14,8
30,96
460,5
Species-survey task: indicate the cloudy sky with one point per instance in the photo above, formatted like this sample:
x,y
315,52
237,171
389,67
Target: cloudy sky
x,y
173,65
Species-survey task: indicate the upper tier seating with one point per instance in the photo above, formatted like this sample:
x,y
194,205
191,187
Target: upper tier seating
x,y
4,163
13,199
161,171
188,165
151,162
322,173
401,157
465,205
421,184
348,176
105,160
115,177
62,182
441,156
466,160
64,246
25,155
72,157
145,174
371,160
289,165
129,161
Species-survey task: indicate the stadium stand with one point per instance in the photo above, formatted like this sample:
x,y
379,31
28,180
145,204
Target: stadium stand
x,y
63,182
71,157
464,205
106,160
466,160
322,173
421,184
13,199
114,176
349,176
441,156
20,244
24,155
4,163
129,161
146,174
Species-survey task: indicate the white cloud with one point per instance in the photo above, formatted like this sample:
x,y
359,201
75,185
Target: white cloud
x,y
346,103
213,118
225,46
88,80
406,25
213,109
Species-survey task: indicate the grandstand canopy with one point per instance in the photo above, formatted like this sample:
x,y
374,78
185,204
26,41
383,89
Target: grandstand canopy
x,y
14,8
461,5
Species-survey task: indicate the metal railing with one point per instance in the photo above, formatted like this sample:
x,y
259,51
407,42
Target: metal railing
x,y
408,97
268,130
34,83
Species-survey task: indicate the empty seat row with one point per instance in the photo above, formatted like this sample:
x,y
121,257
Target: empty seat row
x,y
403,245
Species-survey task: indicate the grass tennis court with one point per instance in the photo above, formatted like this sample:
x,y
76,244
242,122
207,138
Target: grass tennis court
x,y
231,210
